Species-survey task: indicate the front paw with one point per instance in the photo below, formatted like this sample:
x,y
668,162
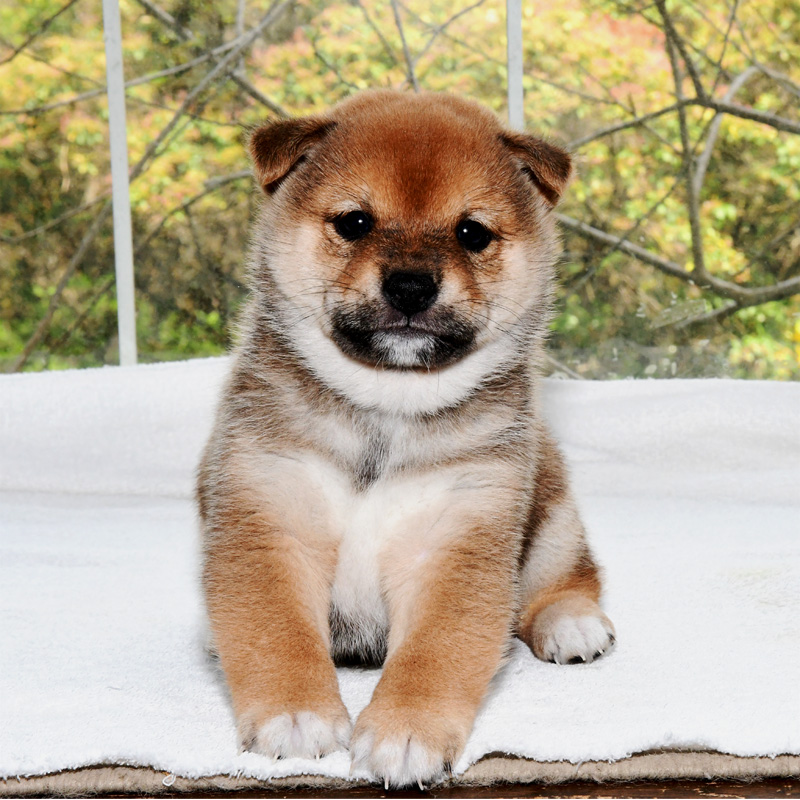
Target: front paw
x,y
570,631
298,734
403,746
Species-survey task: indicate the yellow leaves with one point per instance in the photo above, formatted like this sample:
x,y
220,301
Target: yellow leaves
x,y
761,358
69,52
794,336
722,258
9,140
588,64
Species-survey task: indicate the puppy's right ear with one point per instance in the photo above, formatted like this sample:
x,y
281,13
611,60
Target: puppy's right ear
x,y
278,147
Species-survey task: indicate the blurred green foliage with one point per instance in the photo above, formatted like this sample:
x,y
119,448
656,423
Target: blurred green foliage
x,y
588,64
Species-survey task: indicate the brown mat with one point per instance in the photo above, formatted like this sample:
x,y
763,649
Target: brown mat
x,y
658,765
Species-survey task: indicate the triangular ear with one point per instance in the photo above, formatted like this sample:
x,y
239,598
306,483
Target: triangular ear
x,y
548,166
278,147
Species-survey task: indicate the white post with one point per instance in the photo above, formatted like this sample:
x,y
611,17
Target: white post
x,y
516,113
123,239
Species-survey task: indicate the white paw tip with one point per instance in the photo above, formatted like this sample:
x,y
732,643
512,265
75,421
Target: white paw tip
x,y
577,639
398,762
303,734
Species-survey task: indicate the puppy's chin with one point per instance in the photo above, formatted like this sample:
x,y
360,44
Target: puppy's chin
x,y
402,347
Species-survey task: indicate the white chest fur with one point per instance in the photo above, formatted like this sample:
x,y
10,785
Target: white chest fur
x,y
386,527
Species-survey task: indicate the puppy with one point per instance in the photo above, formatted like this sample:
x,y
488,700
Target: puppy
x,y
380,486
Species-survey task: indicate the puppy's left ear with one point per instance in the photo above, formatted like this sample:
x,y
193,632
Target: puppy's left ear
x,y
549,167
278,147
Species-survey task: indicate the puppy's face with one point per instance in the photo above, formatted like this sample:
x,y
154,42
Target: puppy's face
x,y
409,230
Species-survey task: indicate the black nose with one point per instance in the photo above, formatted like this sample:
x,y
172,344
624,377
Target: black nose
x,y
410,292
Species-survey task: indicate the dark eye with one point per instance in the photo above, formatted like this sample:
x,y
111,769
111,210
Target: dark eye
x,y
353,225
472,235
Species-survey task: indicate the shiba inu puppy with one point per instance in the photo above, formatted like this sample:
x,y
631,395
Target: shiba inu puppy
x,y
380,486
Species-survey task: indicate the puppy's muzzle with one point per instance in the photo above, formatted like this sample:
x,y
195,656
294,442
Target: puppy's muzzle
x,y
406,327
410,292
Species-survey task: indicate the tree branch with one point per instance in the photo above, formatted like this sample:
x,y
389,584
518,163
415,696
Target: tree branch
x,y
621,126
239,80
152,76
589,232
578,280
487,57
386,46
721,106
745,112
165,17
48,63
744,296
274,12
412,78
713,131
746,51
674,36
438,30
692,192
72,266
328,65
210,186
716,314
38,32
561,367
93,300
726,38
54,222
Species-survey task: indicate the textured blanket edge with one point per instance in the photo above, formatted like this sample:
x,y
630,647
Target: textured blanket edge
x,y
657,765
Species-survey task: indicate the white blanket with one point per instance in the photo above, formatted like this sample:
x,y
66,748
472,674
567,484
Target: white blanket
x,y
690,490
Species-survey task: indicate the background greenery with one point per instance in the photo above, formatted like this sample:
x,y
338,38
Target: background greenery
x,y
590,65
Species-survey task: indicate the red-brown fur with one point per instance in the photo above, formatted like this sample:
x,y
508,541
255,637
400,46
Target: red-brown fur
x,y
381,501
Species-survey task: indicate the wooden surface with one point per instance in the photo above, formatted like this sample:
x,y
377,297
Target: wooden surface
x,y
498,777
770,787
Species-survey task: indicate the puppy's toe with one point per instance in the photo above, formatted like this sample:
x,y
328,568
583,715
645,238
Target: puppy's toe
x,y
570,631
404,748
577,640
302,734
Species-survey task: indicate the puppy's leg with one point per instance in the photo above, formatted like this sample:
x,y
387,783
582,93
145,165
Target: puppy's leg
x,y
560,619
267,596
451,617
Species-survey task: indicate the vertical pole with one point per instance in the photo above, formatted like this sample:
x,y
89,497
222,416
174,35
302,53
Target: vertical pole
x,y
123,239
516,114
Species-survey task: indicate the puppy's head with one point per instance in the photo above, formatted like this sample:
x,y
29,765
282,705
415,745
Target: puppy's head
x,y
408,230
